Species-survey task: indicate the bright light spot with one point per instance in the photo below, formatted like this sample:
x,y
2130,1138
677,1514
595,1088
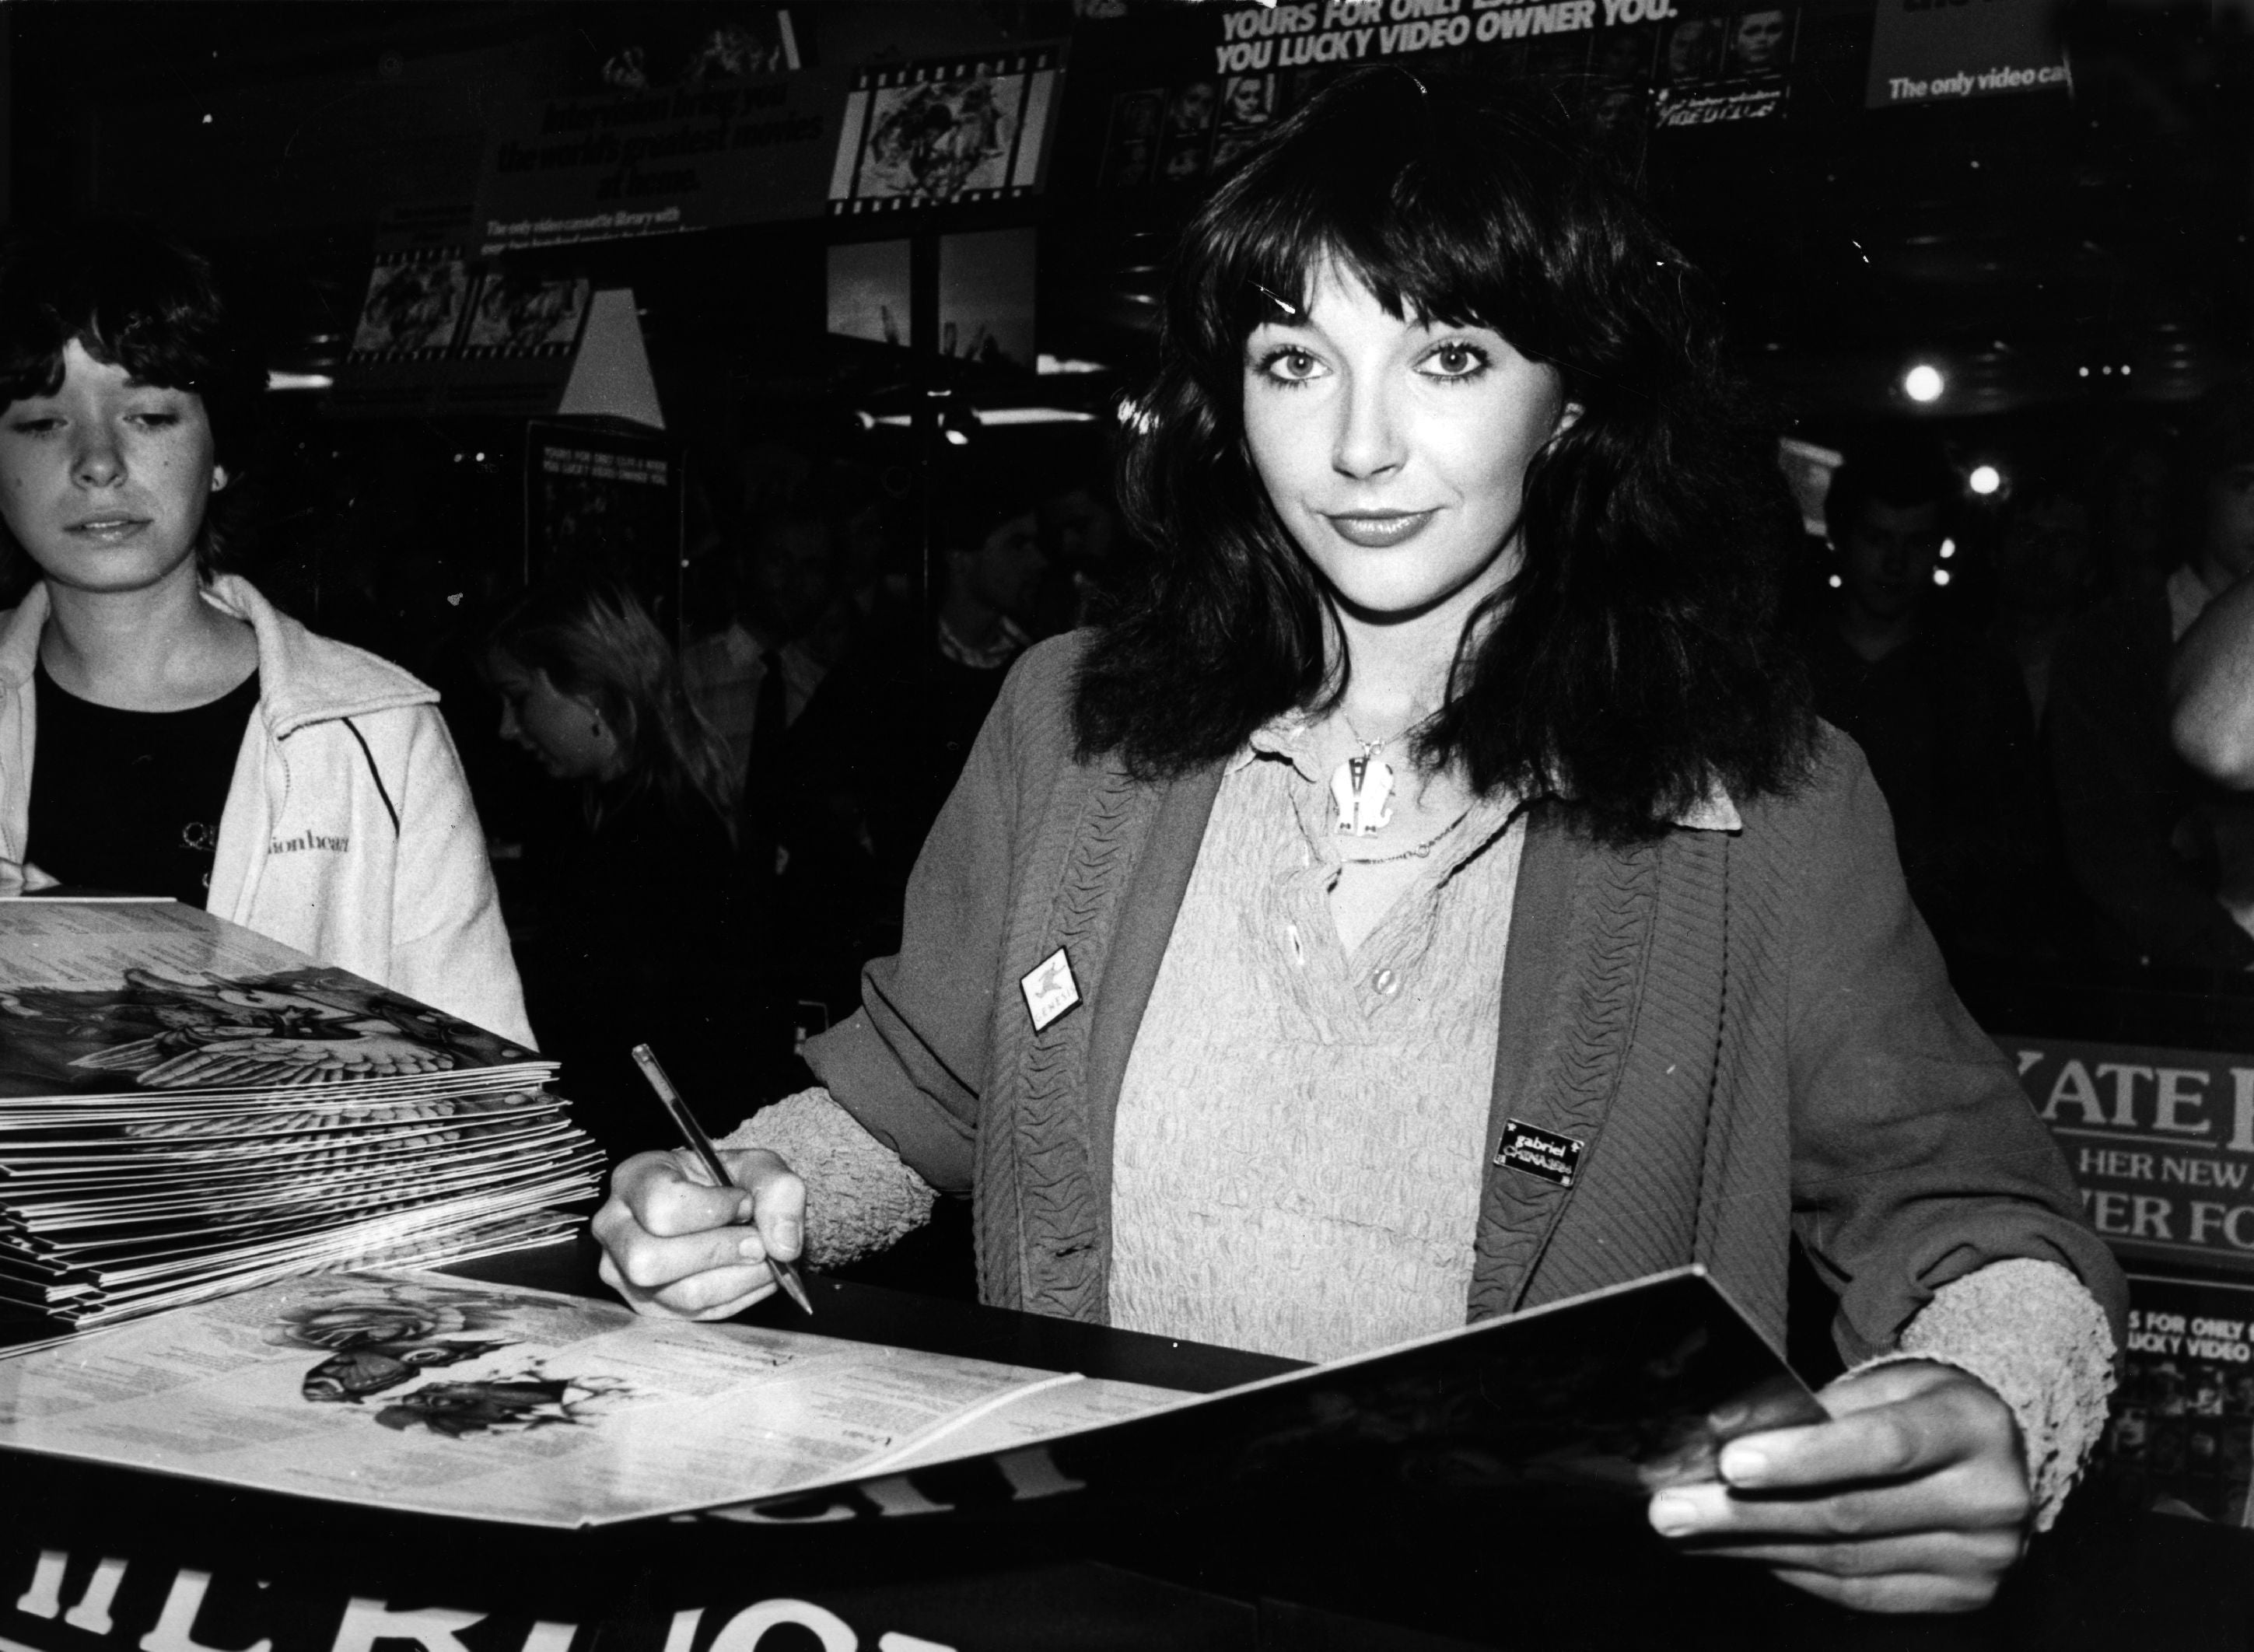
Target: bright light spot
x,y
1948,549
1031,416
1046,364
1984,480
207,120
958,438
298,381
1922,383
1941,576
481,459
2124,369
1833,582
2083,371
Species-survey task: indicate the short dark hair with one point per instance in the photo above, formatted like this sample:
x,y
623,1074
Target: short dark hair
x,y
150,305
1906,472
1634,660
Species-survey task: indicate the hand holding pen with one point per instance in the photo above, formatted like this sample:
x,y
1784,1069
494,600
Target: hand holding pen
x,y
674,1242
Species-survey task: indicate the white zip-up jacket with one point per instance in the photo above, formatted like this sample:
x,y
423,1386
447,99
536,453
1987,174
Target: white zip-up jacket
x,y
349,832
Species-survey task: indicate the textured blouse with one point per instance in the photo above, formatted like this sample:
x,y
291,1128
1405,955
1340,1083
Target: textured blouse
x,y
1298,1164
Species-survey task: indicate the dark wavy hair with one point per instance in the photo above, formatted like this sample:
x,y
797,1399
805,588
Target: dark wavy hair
x,y
1633,659
598,643
137,301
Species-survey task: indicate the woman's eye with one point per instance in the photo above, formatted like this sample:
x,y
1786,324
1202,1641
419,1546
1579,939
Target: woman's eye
x,y
1455,361
34,424
161,419
1290,366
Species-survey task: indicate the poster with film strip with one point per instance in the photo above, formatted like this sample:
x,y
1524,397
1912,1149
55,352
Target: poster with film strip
x,y
947,130
413,308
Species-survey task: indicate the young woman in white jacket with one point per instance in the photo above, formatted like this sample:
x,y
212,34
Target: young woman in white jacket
x,y
164,729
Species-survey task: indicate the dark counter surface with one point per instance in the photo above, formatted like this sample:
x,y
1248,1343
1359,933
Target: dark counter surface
x,y
1428,1567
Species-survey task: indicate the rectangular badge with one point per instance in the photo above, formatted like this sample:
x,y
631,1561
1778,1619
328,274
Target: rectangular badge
x,y
1049,989
1539,1153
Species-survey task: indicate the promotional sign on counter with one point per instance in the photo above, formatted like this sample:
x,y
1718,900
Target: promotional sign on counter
x,y
2160,1141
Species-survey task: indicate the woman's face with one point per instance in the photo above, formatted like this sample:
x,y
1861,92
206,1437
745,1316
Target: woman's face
x,y
563,731
104,483
1396,451
1759,39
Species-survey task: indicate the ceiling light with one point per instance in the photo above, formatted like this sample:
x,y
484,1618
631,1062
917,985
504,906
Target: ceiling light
x,y
1923,383
1984,480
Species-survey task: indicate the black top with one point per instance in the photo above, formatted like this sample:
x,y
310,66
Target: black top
x,y
130,802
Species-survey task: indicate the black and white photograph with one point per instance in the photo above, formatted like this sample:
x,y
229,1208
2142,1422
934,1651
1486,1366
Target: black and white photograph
x,y
1074,825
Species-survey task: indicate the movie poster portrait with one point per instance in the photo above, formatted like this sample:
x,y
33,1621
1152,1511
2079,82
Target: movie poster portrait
x,y
1759,43
1693,50
1130,150
1190,114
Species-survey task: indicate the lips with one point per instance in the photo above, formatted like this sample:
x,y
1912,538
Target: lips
x,y
1375,530
109,525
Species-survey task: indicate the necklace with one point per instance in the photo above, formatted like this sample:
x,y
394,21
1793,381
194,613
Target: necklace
x,y
1361,784
1415,852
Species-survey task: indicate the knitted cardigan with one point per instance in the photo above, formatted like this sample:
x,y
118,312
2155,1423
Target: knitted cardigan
x,y
1747,1032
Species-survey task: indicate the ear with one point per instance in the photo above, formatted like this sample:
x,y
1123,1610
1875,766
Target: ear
x,y
1568,416
219,477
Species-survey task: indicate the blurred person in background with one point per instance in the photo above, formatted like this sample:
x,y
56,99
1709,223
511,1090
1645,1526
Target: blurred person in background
x,y
2045,574
2160,851
2134,491
882,743
1938,711
791,624
646,930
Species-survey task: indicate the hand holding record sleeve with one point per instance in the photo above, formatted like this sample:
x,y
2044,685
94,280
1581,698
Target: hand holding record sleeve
x,y
1912,1498
672,1245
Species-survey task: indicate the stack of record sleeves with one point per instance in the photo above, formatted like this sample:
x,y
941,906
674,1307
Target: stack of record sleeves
x,y
187,1109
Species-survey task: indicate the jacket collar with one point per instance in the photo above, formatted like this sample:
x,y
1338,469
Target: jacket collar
x,y
302,678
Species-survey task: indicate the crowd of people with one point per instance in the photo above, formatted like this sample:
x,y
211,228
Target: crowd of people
x,y
2012,665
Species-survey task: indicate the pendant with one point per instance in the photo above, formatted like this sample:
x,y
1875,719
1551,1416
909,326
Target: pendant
x,y
1360,786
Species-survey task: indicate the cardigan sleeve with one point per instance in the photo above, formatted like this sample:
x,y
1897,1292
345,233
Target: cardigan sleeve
x,y
1917,1158
910,1063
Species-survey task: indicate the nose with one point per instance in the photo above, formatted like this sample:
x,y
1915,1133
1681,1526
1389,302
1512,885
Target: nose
x,y
97,461
1369,442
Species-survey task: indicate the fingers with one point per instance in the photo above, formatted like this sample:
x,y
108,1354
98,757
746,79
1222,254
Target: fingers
x,y
670,1195
1898,1592
1880,1431
1912,1498
673,1245
778,1203
716,1293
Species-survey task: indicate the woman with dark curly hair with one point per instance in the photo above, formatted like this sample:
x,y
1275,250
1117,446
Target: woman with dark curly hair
x,y
1433,898
164,729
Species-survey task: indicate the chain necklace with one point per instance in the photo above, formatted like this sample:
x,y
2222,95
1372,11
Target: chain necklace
x,y
1362,785
1415,852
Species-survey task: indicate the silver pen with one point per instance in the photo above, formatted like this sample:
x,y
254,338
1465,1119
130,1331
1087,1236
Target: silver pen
x,y
693,1137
